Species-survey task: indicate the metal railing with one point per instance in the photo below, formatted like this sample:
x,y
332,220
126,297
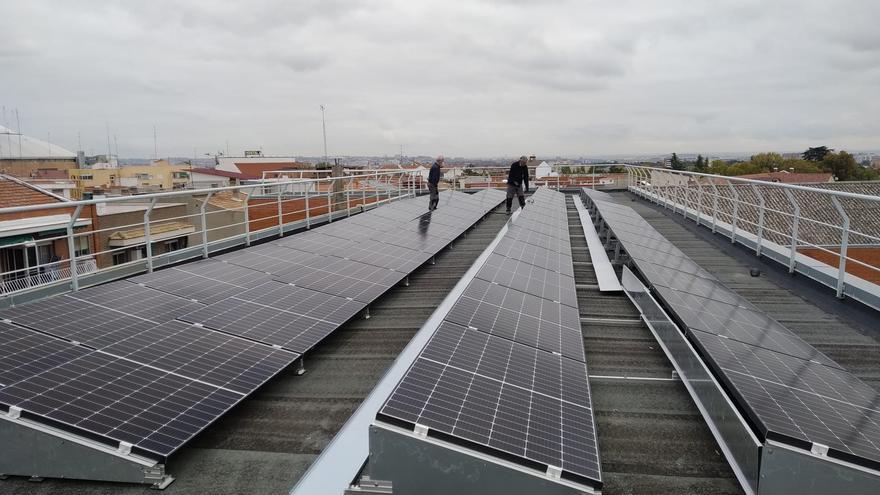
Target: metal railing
x,y
132,234
828,234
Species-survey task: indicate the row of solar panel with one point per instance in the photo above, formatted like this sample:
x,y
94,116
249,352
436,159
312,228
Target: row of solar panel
x,y
153,360
505,370
787,387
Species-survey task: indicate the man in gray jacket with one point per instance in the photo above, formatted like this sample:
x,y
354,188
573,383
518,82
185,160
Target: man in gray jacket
x,y
433,181
518,182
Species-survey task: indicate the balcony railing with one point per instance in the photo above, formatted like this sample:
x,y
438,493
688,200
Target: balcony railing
x,y
48,273
210,220
830,235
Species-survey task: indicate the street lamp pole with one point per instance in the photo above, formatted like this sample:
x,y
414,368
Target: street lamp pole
x,y
324,127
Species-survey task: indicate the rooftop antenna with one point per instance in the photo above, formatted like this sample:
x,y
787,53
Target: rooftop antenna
x,y
109,149
227,147
116,145
79,143
18,124
8,132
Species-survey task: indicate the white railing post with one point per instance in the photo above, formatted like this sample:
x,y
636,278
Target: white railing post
x,y
71,248
330,201
348,198
204,221
735,199
247,218
147,237
280,215
699,208
364,185
308,215
760,229
844,243
714,206
792,260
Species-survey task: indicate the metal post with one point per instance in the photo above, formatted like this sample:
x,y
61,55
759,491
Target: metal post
x,y
247,218
308,215
735,211
760,220
844,243
205,224
147,237
71,249
329,202
699,215
714,205
280,215
364,195
348,198
792,260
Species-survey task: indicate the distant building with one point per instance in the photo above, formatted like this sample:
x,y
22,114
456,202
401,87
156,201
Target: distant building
x,y
33,244
206,178
253,167
544,169
158,176
23,156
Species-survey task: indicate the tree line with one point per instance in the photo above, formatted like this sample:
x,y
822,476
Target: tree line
x,y
841,165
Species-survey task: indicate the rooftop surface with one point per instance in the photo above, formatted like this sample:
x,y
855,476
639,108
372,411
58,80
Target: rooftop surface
x,y
652,438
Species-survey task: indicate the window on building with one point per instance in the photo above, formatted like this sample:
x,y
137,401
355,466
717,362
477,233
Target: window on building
x,y
84,177
175,244
81,246
120,258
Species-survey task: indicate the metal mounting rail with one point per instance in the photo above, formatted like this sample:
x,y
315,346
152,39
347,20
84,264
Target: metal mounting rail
x,y
601,264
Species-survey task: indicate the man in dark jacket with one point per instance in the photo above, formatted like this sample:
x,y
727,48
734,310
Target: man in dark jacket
x,y
518,182
433,181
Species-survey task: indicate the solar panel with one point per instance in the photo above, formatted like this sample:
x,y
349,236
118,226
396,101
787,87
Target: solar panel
x,y
535,255
25,353
77,320
788,389
805,401
502,395
121,400
172,346
201,354
744,324
215,269
187,285
294,318
136,300
520,317
528,278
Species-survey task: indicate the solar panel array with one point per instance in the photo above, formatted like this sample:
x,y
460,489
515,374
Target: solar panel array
x,y
154,359
788,389
505,372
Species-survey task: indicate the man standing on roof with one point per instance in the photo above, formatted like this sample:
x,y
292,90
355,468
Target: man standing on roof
x,y
518,182
433,181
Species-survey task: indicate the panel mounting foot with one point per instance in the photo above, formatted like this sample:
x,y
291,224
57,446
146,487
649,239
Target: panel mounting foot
x,y
163,483
367,313
406,281
35,479
300,366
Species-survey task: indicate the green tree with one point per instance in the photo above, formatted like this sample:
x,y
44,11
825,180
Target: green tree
x,y
842,165
816,154
701,164
676,163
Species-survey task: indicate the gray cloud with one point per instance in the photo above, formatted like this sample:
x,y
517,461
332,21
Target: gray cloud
x,y
468,78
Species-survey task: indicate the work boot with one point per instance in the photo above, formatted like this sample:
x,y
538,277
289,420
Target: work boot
x,y
509,204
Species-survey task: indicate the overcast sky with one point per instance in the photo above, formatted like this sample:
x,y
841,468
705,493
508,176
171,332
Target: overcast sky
x,y
475,78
